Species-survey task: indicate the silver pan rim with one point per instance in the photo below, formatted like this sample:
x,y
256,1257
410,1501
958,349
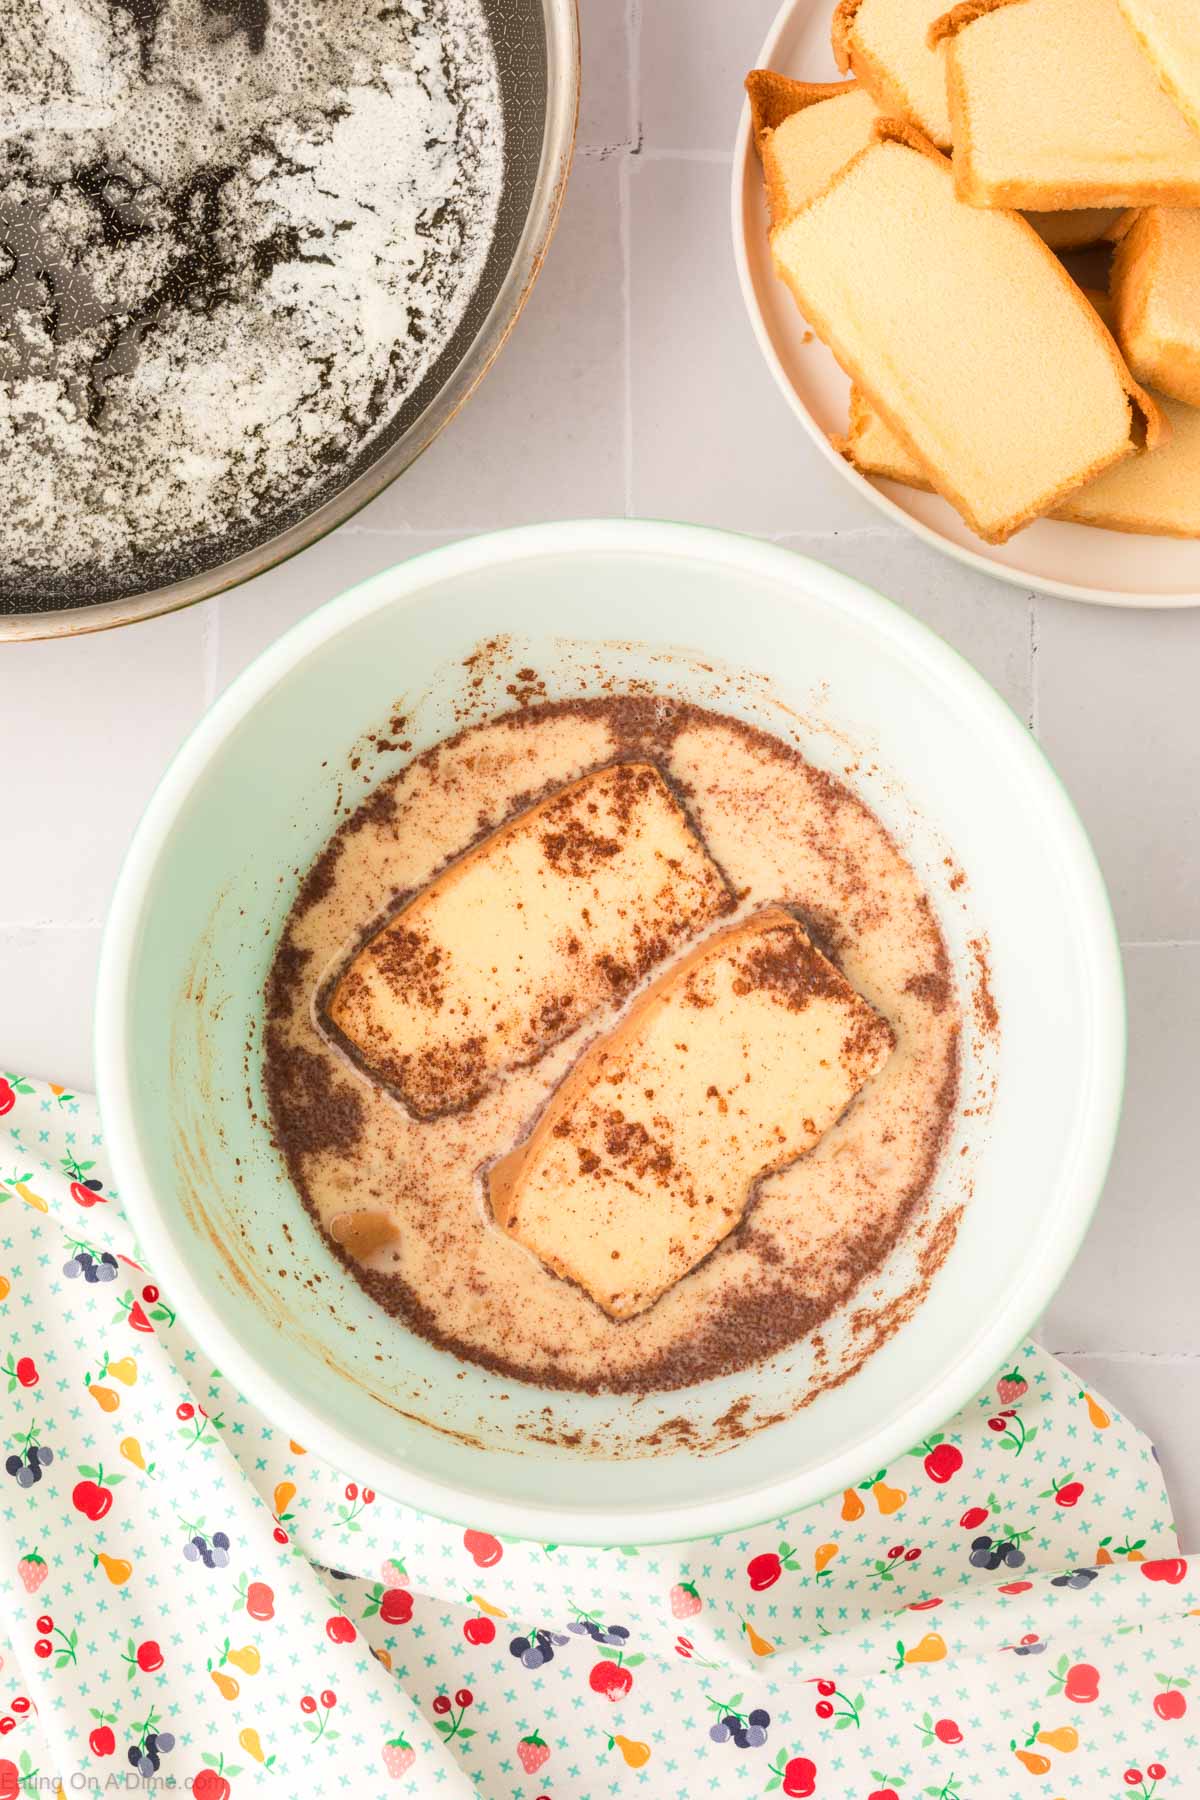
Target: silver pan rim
x,y
558,141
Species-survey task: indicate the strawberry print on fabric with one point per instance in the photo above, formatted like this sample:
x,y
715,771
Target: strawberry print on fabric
x,y
193,1596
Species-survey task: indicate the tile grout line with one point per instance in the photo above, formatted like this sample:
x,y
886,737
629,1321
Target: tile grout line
x,y
51,925
350,529
1160,943
606,152
1168,1358
896,533
633,49
655,153
633,35
790,536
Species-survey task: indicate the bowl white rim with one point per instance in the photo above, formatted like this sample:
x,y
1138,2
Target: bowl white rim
x,y
927,1411
743,152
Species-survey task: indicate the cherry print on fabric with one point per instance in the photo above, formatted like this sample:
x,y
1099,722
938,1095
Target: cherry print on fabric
x,y
191,1595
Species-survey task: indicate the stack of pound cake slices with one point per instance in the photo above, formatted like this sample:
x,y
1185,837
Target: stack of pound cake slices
x,y
918,211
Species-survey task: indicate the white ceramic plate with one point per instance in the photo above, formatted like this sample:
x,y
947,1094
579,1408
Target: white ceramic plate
x,y
251,798
1110,568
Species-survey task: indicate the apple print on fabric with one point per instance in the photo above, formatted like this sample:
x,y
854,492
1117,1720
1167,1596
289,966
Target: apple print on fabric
x,y
193,1597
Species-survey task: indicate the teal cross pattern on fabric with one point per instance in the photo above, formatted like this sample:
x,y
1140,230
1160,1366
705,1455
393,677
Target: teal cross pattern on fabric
x,y
190,1595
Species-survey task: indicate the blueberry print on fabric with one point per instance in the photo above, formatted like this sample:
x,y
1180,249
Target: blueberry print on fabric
x,y
192,1597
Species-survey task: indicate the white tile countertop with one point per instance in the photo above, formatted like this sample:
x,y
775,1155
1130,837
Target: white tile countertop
x,y
632,385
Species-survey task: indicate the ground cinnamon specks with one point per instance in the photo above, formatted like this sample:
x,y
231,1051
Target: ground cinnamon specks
x,y
310,1113
987,1013
409,960
793,976
813,1235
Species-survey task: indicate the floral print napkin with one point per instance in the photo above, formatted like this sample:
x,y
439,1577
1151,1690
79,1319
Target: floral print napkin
x,y
192,1599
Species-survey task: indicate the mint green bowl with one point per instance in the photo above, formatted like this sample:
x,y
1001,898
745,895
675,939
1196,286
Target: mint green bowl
x,y
251,798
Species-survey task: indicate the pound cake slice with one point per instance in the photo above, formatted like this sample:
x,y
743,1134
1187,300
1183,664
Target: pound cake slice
x,y
556,914
875,449
1169,32
802,148
805,132
885,44
1157,494
965,333
733,1064
1054,105
1156,299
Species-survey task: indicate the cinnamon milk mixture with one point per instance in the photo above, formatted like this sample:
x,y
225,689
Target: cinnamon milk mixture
x,y
403,1200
